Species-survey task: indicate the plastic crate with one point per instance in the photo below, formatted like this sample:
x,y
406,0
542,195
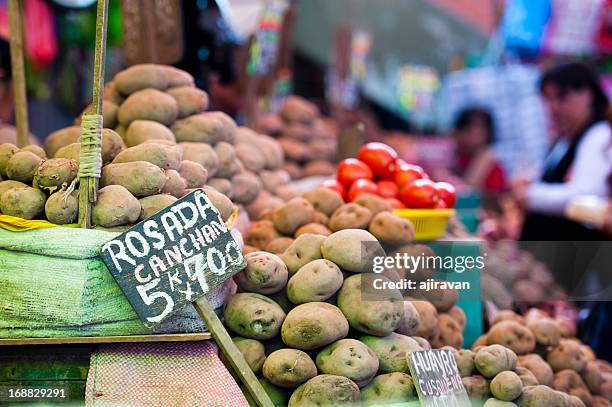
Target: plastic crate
x,y
429,224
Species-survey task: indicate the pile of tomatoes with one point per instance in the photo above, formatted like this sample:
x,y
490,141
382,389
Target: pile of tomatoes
x,y
377,170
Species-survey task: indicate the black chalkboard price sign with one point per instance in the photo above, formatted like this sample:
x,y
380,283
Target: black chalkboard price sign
x,y
173,259
436,379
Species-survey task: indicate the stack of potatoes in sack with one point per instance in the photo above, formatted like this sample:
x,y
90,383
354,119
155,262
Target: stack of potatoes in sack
x,y
307,138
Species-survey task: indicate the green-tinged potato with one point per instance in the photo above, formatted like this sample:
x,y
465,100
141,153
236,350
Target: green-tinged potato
x,y
39,151
569,382
598,377
190,100
26,203
253,316
349,358
326,390
177,77
175,184
526,376
290,216
252,350
165,157
389,388
148,104
409,324
265,273
513,336
458,315
303,250
352,250
193,173
7,150
70,152
451,333
201,128
423,343
477,388
316,281
541,396
222,185
153,204
313,325
428,316
112,94
324,200
506,386
494,359
379,316
223,204
55,173
252,158
6,185
141,178
313,228
22,166
392,351
492,402
62,208
246,187
374,203
389,228
538,366
261,233
288,368
201,153
568,355
140,131
350,216
279,245
546,331
465,362
115,206
141,76
278,396
61,138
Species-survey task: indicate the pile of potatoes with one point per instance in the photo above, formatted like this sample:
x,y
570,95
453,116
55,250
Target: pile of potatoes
x,y
308,140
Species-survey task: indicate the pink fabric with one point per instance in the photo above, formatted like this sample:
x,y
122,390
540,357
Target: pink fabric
x,y
161,374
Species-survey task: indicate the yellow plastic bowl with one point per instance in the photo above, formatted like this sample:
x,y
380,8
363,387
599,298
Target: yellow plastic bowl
x,y
429,224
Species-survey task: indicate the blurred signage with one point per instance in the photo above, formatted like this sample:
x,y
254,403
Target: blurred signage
x,y
416,87
264,46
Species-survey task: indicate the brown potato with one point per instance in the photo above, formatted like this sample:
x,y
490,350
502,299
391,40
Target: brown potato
x,y
324,200
538,366
568,355
546,332
350,216
245,186
313,228
428,315
512,335
302,251
290,216
319,168
451,333
262,233
265,273
390,228
140,131
278,245
374,203
570,382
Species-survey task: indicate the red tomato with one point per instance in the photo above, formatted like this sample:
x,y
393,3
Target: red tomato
x,y
440,204
336,186
362,186
448,194
419,194
406,173
351,169
387,189
395,203
379,157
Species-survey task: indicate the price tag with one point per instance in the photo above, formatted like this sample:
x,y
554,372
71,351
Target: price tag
x,y
173,258
437,380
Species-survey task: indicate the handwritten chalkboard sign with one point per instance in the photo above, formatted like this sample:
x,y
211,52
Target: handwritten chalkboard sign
x,y
436,378
173,258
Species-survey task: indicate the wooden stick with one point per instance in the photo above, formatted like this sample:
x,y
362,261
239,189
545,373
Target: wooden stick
x,y
231,352
88,187
19,83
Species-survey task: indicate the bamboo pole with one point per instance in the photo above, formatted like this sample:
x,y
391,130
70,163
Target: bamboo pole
x,y
15,9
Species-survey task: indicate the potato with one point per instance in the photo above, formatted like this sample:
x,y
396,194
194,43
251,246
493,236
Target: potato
x,y
261,233
165,157
265,273
252,159
573,401
409,324
568,355
264,202
570,382
374,203
319,168
222,185
55,173
538,366
546,332
589,353
246,187
477,387
112,94
70,152
112,145
190,100
295,150
598,377
109,114
479,343
313,228
423,343
62,208
278,245
442,298
303,250
352,250
6,185
287,193
115,206
544,396
458,315
293,214
506,386
392,351
175,184
140,131
326,390
324,200
316,281
253,316
252,350
229,129
22,166
451,333
428,317
389,388
34,149
7,150
380,317
209,127
220,201
148,104
177,77
465,362
350,216
289,368
201,153
61,138
293,169
272,180
493,402
422,273
313,325
23,202
532,315
601,402
141,178
390,228
121,130
297,109
494,359
193,173
527,378
140,76
349,358
513,336
153,204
